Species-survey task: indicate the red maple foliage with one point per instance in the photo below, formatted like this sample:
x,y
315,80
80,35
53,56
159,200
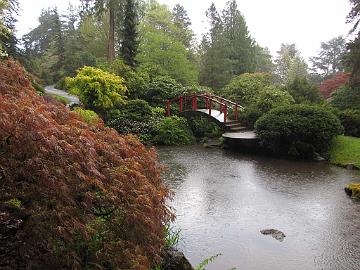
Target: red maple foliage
x,y
328,87
88,197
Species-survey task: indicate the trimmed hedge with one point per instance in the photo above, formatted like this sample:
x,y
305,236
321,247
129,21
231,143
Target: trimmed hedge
x,y
298,130
350,120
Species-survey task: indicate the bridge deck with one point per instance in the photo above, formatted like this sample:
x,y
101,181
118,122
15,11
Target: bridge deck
x,y
214,113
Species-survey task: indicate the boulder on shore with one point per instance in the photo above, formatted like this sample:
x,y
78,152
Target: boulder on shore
x,y
175,260
353,190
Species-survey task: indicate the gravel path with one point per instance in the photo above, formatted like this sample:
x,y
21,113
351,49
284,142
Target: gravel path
x,y
52,90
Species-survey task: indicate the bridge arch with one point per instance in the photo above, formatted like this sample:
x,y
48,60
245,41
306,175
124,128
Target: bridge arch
x,y
217,109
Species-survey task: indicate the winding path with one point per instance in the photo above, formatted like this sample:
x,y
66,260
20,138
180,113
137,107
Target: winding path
x,y
50,89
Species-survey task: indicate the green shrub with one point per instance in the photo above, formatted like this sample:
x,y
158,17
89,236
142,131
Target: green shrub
x,y
138,110
158,112
245,88
173,131
136,80
299,130
347,97
269,98
89,116
144,128
350,120
203,127
162,88
124,125
97,90
303,91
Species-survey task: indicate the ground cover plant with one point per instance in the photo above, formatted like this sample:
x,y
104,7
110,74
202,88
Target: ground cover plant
x,y
73,195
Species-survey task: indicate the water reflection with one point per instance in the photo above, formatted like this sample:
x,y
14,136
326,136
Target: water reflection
x,y
224,199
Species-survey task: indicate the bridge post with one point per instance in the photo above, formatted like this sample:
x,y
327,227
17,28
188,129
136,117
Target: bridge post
x,y
168,108
207,102
210,104
236,112
194,103
225,113
181,103
221,105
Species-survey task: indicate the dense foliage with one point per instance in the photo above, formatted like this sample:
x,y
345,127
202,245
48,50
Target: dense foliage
x,y
203,128
88,198
162,88
329,86
299,130
97,90
245,88
88,116
173,130
227,50
162,45
347,97
269,98
350,120
303,91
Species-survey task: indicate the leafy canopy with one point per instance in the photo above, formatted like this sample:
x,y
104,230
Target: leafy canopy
x,y
97,90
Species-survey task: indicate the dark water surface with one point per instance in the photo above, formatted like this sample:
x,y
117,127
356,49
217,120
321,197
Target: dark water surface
x,y
224,199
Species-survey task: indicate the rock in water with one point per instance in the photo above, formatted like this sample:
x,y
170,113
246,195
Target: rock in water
x,y
278,235
175,260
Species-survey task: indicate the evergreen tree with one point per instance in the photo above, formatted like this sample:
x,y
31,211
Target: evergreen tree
x,y
330,58
241,47
182,22
214,63
227,50
115,11
45,45
289,64
160,50
353,58
263,60
130,42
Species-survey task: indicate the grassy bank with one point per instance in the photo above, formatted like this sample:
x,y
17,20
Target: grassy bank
x,y
345,150
61,99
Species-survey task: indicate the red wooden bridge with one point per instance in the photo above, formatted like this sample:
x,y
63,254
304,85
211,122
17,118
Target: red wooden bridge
x,y
221,110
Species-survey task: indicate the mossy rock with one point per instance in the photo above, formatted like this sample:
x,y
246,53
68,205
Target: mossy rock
x,y
353,190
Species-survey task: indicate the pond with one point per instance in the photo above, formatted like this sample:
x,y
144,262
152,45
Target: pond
x,y
224,199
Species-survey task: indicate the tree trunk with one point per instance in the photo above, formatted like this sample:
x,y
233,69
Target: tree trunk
x,y
111,42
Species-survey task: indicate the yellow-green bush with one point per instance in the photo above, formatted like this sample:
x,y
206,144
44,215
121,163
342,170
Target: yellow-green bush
x,y
97,90
89,116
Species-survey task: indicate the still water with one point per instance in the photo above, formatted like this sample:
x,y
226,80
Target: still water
x,y
223,200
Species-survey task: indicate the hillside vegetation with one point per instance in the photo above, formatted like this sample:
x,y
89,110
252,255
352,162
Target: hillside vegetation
x,y
73,195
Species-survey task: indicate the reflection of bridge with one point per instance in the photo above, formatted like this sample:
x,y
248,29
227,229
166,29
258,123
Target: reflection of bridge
x,y
220,110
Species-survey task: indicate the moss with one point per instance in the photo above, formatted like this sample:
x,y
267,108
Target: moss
x,y
14,202
345,151
353,190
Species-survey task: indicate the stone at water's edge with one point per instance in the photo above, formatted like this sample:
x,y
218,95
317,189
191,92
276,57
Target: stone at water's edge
x,y
175,260
353,190
278,235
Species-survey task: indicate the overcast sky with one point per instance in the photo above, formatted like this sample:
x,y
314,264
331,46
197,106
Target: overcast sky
x,y
306,23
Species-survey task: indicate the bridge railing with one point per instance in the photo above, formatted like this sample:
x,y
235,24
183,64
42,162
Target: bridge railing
x,y
210,102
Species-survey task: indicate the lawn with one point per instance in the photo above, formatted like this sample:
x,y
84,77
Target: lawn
x,y
345,150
